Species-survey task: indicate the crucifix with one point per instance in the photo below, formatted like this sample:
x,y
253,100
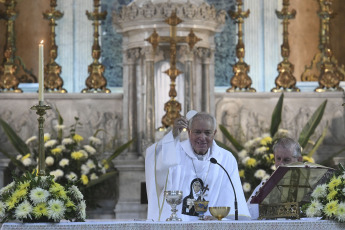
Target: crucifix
x,y
172,107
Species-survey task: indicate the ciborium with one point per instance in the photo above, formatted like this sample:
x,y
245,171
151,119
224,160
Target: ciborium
x,y
173,198
219,212
200,207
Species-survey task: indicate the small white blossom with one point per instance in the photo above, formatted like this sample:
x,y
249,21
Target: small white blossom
x,y
19,156
7,188
85,169
56,209
47,136
62,147
33,138
273,167
249,144
90,164
50,143
57,173
95,140
314,209
72,176
64,162
27,161
319,191
244,161
260,150
246,187
76,192
39,195
84,153
82,209
90,149
49,161
23,210
93,176
67,141
243,153
260,174
2,209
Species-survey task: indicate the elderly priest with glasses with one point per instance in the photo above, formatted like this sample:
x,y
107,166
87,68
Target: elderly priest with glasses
x,y
197,166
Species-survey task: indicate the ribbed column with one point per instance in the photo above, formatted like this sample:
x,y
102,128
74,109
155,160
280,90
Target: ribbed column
x,y
188,74
149,125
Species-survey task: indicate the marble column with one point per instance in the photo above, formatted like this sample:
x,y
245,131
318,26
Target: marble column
x,y
188,76
204,55
149,127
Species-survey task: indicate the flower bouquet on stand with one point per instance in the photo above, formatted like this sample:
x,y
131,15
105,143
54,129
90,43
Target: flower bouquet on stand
x,y
31,198
328,199
255,157
70,158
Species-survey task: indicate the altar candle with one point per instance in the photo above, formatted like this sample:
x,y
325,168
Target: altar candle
x,y
40,71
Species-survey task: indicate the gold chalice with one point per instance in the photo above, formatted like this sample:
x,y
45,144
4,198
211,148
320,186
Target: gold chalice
x,y
219,212
200,207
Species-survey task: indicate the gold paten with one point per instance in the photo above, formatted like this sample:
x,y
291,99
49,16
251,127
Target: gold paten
x,y
324,67
240,82
172,107
96,82
8,80
285,80
52,80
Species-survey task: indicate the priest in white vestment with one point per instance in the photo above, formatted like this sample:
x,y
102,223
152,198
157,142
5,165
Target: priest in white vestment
x,y
174,165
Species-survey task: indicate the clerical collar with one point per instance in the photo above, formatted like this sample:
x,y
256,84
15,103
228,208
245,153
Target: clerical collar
x,y
202,157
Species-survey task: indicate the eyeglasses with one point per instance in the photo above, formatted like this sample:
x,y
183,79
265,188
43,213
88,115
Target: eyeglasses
x,y
207,133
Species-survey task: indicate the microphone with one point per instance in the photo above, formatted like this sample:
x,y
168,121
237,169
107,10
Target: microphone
x,y
214,161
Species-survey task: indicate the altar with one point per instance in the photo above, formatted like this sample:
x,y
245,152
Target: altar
x,y
307,223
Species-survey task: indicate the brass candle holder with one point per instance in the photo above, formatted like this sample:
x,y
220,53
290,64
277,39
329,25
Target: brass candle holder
x,y
53,82
172,107
8,80
285,80
240,82
324,67
41,111
96,82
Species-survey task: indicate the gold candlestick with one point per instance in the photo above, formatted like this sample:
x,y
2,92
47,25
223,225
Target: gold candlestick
x,y
172,107
285,80
41,111
324,67
8,80
240,82
53,82
96,82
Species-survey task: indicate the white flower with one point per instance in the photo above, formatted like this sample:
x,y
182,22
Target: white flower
x,y
314,209
57,173
84,153
23,210
47,136
76,192
64,162
67,141
62,147
27,161
93,176
246,187
39,195
85,169
59,127
103,170
2,209
19,156
260,173
320,191
7,188
266,177
90,164
273,167
249,144
33,138
244,161
72,176
260,150
95,140
90,149
50,143
82,209
56,209
49,161
243,154
340,215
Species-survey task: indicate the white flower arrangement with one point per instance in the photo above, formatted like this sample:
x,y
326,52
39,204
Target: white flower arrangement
x,y
32,198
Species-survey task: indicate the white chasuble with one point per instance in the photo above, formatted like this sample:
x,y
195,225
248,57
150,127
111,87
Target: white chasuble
x,y
173,165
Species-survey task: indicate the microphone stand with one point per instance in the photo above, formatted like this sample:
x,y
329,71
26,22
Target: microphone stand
x,y
214,161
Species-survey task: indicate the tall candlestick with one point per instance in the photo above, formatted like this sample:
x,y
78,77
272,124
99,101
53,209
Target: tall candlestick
x,y
40,72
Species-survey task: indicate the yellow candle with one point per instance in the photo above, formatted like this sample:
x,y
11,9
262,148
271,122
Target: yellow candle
x,y
40,71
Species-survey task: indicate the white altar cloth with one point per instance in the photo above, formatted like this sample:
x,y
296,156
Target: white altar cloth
x,y
311,224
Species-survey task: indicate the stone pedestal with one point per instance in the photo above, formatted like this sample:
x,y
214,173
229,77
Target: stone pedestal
x,y
131,177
